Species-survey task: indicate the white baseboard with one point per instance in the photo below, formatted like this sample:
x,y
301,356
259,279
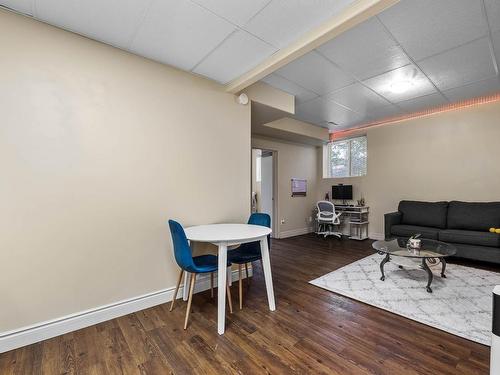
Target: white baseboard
x,y
295,232
376,236
45,330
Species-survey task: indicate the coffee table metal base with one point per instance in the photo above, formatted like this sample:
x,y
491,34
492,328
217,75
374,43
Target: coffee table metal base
x,y
424,266
384,261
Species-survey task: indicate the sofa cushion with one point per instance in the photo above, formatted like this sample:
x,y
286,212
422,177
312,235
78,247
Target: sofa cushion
x,y
470,237
484,253
403,230
473,215
426,214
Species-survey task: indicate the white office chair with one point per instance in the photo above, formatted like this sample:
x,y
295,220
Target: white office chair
x,y
327,219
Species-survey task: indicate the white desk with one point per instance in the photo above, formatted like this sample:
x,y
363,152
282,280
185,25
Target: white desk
x,y
224,235
357,218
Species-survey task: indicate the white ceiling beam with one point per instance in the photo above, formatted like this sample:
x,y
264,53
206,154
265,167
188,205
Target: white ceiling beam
x,y
358,12
263,93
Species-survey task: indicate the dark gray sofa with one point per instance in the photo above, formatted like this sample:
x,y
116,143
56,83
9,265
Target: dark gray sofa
x,y
464,224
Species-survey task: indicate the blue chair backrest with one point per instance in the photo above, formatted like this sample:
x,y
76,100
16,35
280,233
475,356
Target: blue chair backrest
x,y
263,220
260,219
182,251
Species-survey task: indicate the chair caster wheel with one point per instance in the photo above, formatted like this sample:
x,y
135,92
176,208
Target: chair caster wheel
x,y
382,278
429,290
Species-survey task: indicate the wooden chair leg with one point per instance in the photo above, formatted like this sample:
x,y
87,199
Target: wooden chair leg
x,y
229,298
176,290
212,284
240,287
190,299
246,272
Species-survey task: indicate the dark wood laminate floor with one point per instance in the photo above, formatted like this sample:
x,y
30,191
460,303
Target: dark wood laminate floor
x,y
312,331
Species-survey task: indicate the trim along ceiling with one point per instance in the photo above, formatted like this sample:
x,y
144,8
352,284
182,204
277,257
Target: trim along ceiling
x,y
412,56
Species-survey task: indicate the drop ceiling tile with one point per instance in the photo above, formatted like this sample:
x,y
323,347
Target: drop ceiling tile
x,y
315,120
365,50
384,84
358,98
236,11
423,103
301,94
378,116
379,113
236,55
284,21
179,33
474,90
312,111
321,111
22,6
427,27
493,12
315,73
462,65
111,21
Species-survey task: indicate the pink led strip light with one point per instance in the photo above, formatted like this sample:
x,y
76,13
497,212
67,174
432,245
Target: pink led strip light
x,y
409,116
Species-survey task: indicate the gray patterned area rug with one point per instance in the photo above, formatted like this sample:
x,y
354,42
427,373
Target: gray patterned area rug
x,y
460,304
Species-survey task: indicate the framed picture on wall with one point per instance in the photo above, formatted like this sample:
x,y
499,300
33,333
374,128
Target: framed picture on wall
x,y
299,187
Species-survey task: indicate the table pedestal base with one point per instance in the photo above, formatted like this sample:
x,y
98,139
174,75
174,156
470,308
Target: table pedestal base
x,y
424,266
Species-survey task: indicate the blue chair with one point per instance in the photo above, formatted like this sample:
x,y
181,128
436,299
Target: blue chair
x,y
249,252
190,264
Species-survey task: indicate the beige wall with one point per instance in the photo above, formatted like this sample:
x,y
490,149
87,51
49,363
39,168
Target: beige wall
x,y
98,149
452,155
294,161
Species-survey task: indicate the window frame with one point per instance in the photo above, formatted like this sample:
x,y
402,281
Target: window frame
x,y
327,154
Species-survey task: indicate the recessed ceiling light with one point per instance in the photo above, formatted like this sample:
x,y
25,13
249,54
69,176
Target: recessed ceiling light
x,y
400,87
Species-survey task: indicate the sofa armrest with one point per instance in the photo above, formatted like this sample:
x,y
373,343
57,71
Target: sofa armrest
x,y
390,219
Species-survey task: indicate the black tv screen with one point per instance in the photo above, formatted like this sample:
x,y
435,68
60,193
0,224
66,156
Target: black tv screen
x,y
343,192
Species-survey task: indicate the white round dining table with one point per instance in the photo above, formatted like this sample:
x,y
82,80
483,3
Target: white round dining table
x,y
224,235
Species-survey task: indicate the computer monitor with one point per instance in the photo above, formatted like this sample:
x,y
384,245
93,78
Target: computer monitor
x,y
342,192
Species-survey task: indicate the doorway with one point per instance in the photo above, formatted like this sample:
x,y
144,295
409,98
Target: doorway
x,y
264,197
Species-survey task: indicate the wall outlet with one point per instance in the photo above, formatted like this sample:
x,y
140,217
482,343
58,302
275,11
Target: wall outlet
x,y
283,221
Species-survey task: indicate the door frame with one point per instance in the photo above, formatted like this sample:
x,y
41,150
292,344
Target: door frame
x,y
275,216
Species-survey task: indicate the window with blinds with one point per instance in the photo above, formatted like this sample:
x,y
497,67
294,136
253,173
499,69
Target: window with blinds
x,y
346,158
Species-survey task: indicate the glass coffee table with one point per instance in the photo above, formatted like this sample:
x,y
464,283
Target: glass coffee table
x,y
430,252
